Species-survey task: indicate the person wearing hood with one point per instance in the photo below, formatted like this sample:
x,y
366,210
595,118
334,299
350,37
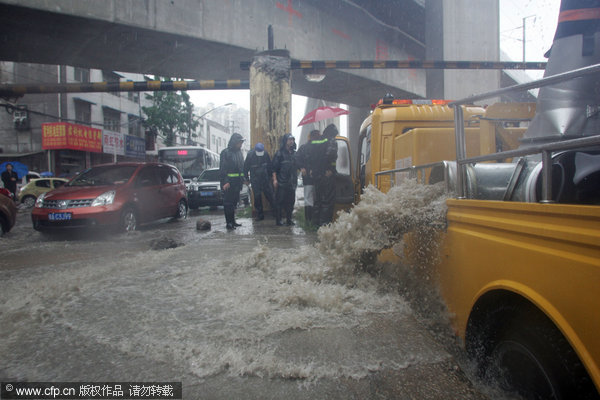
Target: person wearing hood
x,y
258,164
302,159
322,157
232,178
285,179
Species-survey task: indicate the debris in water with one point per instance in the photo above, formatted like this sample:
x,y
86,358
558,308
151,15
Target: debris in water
x,y
203,225
163,244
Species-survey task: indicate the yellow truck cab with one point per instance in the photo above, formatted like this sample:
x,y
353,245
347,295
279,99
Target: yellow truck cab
x,y
401,133
519,260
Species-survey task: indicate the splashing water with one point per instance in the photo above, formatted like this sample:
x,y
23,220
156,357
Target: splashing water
x,y
230,306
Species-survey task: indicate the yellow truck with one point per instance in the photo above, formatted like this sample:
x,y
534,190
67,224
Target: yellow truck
x,y
519,260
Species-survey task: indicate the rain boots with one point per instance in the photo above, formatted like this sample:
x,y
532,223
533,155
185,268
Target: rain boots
x,y
230,219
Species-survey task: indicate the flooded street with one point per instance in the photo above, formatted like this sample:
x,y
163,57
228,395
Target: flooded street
x,y
262,312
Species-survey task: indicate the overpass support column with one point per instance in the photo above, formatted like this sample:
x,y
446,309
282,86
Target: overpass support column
x,y
270,98
355,119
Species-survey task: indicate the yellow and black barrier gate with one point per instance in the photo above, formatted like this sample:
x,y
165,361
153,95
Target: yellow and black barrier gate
x,y
9,91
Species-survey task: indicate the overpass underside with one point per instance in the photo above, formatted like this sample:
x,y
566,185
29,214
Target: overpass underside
x,y
39,36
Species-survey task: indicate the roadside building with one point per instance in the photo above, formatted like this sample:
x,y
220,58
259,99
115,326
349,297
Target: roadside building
x,y
66,133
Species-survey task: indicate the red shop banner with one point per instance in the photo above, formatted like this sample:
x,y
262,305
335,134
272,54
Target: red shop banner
x,y
64,135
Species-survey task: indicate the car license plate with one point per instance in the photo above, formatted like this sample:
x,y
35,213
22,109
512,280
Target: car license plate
x,y
64,216
206,193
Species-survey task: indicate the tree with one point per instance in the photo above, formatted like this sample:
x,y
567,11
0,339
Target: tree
x,y
171,113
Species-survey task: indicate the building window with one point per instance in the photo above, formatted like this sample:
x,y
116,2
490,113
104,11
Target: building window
x,y
81,74
134,124
111,77
83,112
133,96
112,120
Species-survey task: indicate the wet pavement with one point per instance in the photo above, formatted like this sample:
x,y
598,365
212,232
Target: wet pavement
x,y
233,315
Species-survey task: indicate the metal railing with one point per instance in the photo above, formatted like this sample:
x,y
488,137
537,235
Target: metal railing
x,y
545,149
461,150
413,172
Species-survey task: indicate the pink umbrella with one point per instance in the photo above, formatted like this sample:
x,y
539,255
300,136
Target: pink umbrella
x,y
321,113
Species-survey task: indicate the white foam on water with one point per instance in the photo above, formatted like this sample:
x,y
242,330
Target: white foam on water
x,y
241,308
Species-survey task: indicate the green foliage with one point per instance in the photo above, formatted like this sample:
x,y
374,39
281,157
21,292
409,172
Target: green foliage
x,y
171,113
302,222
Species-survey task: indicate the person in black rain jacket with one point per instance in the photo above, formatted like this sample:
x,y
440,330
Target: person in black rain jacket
x,y
258,164
232,178
322,156
10,178
285,179
302,160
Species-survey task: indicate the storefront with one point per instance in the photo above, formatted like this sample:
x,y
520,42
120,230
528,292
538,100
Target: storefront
x,y
73,148
70,146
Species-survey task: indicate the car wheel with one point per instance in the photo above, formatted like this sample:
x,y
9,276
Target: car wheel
x,y
28,201
531,357
128,221
4,224
182,210
246,201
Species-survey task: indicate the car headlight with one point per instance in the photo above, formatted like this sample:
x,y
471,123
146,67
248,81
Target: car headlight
x,y
40,200
104,199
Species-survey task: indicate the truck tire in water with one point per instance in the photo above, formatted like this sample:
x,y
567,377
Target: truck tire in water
x,y
531,357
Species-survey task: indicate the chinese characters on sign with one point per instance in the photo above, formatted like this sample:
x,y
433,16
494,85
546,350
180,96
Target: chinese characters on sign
x,y
113,143
135,146
64,135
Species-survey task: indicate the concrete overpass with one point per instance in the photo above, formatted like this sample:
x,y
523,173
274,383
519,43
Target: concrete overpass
x,y
208,39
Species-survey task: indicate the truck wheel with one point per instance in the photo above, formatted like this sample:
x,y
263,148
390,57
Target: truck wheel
x,y
531,356
128,221
28,201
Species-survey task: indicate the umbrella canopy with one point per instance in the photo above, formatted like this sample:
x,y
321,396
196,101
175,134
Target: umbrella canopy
x,y
321,113
20,168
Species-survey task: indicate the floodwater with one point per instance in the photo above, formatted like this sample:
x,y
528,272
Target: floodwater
x,y
262,312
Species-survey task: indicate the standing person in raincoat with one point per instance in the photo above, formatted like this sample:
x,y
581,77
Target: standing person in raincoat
x,y
9,179
285,179
258,164
232,178
322,156
302,159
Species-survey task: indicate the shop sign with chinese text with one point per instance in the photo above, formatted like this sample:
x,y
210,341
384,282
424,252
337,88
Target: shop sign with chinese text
x,y
135,146
113,143
64,135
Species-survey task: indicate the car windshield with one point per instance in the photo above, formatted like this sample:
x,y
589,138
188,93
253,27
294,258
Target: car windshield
x,y
210,175
103,176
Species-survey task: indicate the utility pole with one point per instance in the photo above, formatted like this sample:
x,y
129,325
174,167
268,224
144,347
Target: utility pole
x,y
524,36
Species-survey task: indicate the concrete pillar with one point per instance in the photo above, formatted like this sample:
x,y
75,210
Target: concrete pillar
x,y
355,119
270,98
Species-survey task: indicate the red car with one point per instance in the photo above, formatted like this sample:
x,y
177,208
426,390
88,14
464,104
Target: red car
x,y
8,212
120,195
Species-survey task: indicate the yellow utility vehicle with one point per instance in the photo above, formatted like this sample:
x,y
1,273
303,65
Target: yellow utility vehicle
x,y
519,260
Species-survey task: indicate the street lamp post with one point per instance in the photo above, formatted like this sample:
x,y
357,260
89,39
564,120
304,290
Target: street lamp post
x,y
206,128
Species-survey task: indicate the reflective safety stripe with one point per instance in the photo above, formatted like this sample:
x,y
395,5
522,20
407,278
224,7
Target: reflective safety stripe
x,y
333,163
319,141
579,14
235,175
